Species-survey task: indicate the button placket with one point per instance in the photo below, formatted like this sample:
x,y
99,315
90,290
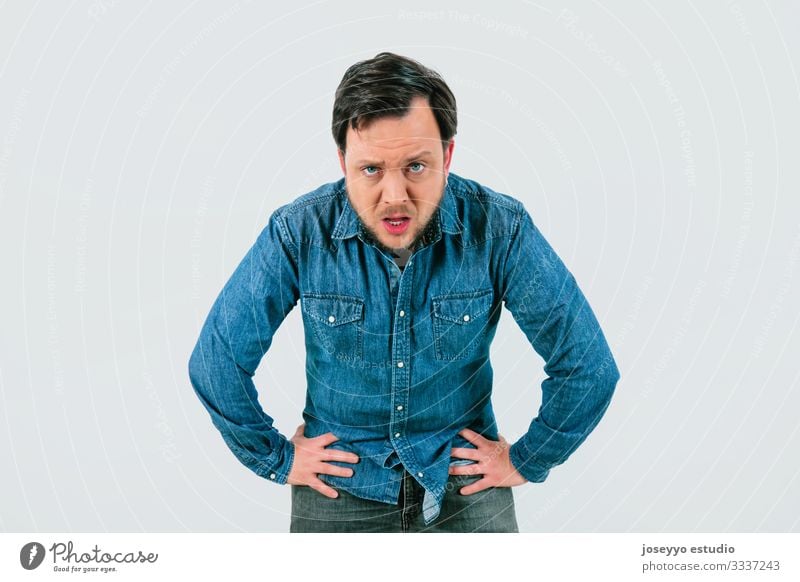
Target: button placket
x,y
400,357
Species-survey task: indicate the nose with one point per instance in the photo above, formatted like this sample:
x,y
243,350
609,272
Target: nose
x,y
393,189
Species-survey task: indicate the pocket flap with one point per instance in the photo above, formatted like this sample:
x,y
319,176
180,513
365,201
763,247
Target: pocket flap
x,y
333,310
462,308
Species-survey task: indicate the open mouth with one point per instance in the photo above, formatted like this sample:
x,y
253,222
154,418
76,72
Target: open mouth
x,y
396,224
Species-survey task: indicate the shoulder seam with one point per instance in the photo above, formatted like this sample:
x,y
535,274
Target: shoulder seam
x,y
493,198
296,205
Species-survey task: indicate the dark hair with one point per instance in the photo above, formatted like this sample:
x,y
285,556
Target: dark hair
x,y
384,87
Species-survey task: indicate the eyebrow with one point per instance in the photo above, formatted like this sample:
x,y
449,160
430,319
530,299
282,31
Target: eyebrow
x,y
366,162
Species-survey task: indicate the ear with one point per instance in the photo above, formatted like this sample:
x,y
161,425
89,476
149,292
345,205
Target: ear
x,y
448,155
341,161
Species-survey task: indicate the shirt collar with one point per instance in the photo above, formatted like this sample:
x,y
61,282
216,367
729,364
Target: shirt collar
x,y
445,219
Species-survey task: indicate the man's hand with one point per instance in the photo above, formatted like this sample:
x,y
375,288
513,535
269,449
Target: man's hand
x,y
494,463
311,459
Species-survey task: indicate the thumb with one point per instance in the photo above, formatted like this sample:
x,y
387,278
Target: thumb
x,y
300,430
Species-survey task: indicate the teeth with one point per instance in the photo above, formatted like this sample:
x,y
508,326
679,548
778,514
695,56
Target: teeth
x,y
395,222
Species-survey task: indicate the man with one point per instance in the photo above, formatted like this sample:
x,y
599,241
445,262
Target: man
x,y
401,269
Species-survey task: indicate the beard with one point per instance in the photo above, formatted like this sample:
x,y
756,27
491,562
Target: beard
x,y
423,231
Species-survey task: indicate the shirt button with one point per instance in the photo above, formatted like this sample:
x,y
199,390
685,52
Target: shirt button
x,y
402,313
400,364
272,475
397,435
419,474
466,318
399,407
331,318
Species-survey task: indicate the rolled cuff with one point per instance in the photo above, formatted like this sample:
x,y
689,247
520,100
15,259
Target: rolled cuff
x,y
526,464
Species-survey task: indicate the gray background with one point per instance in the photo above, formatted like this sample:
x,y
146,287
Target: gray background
x,y
144,145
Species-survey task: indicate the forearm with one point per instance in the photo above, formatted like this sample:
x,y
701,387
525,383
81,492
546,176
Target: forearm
x,y
228,394
573,402
235,336
550,308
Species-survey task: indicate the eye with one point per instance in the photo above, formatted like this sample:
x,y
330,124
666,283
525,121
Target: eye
x,y
416,167
370,170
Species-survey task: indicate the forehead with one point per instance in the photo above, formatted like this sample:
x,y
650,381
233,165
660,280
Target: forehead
x,y
395,137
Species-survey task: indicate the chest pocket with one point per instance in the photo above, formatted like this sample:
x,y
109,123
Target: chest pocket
x,y
336,324
459,322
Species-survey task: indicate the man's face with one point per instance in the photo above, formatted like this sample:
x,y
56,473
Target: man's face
x,y
395,169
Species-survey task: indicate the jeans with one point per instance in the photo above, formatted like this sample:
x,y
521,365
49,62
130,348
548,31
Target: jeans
x,y
490,510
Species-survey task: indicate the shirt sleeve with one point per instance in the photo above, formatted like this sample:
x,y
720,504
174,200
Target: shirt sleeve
x,y
236,334
545,301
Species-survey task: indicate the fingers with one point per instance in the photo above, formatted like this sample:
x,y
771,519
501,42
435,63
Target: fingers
x,y
310,476
326,439
473,437
476,487
341,456
328,469
473,469
329,438
464,453
311,460
326,490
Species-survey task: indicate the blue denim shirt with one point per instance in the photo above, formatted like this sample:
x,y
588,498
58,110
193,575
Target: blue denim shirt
x,y
397,362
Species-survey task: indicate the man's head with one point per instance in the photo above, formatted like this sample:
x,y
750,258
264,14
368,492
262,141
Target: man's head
x,y
394,122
